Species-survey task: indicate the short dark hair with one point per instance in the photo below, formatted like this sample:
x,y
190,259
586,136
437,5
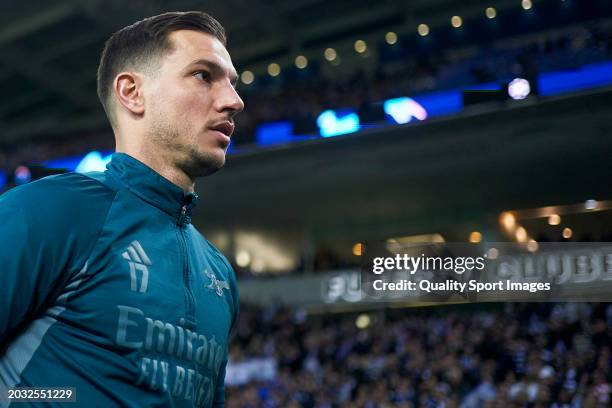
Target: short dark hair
x,y
143,43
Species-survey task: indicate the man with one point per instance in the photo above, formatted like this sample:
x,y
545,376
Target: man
x,y
106,285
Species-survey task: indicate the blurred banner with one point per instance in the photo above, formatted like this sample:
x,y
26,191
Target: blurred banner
x,y
259,369
426,274
489,272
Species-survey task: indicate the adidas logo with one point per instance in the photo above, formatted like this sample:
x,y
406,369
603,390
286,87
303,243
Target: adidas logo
x,y
138,261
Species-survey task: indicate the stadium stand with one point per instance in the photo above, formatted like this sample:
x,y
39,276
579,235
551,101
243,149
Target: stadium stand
x,y
524,56
511,355
520,56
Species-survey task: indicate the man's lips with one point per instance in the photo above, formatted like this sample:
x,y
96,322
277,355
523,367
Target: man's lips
x,y
226,127
221,138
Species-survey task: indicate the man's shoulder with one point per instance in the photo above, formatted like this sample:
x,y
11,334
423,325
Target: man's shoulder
x,y
70,194
62,186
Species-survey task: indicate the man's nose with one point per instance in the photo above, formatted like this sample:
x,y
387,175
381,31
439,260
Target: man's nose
x,y
229,101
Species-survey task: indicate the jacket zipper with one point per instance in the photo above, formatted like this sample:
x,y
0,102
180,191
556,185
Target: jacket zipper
x,y
190,300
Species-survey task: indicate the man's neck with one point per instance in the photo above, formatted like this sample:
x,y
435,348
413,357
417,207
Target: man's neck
x,y
161,166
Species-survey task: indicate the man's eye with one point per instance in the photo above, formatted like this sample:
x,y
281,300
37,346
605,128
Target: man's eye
x,y
202,76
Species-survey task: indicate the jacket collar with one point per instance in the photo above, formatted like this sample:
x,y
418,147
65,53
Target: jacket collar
x,y
149,185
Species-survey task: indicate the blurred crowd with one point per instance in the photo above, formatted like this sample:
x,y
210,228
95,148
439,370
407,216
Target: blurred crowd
x,y
438,69
39,151
471,356
398,75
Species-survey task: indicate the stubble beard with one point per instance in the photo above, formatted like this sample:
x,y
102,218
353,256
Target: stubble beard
x,y
184,150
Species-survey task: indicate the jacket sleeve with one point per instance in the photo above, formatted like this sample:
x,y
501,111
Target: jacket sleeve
x,y
45,236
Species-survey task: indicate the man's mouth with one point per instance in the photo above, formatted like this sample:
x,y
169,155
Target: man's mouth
x,y
226,127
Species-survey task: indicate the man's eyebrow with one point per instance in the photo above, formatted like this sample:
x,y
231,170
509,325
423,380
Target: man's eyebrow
x,y
216,68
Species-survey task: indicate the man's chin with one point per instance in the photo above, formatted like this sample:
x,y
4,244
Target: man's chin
x,y
208,163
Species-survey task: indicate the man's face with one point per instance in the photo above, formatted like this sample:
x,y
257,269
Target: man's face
x,y
191,101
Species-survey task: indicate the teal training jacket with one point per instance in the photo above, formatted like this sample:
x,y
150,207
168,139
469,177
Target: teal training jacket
x,y
108,288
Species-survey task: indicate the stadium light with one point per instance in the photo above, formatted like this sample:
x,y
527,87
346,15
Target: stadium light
x,y
519,88
274,69
391,38
330,54
402,110
423,30
521,234
93,161
491,12
526,4
360,46
247,77
475,237
456,21
508,221
335,123
567,233
301,61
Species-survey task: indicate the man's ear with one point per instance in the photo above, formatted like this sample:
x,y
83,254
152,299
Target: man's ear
x,y
129,92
